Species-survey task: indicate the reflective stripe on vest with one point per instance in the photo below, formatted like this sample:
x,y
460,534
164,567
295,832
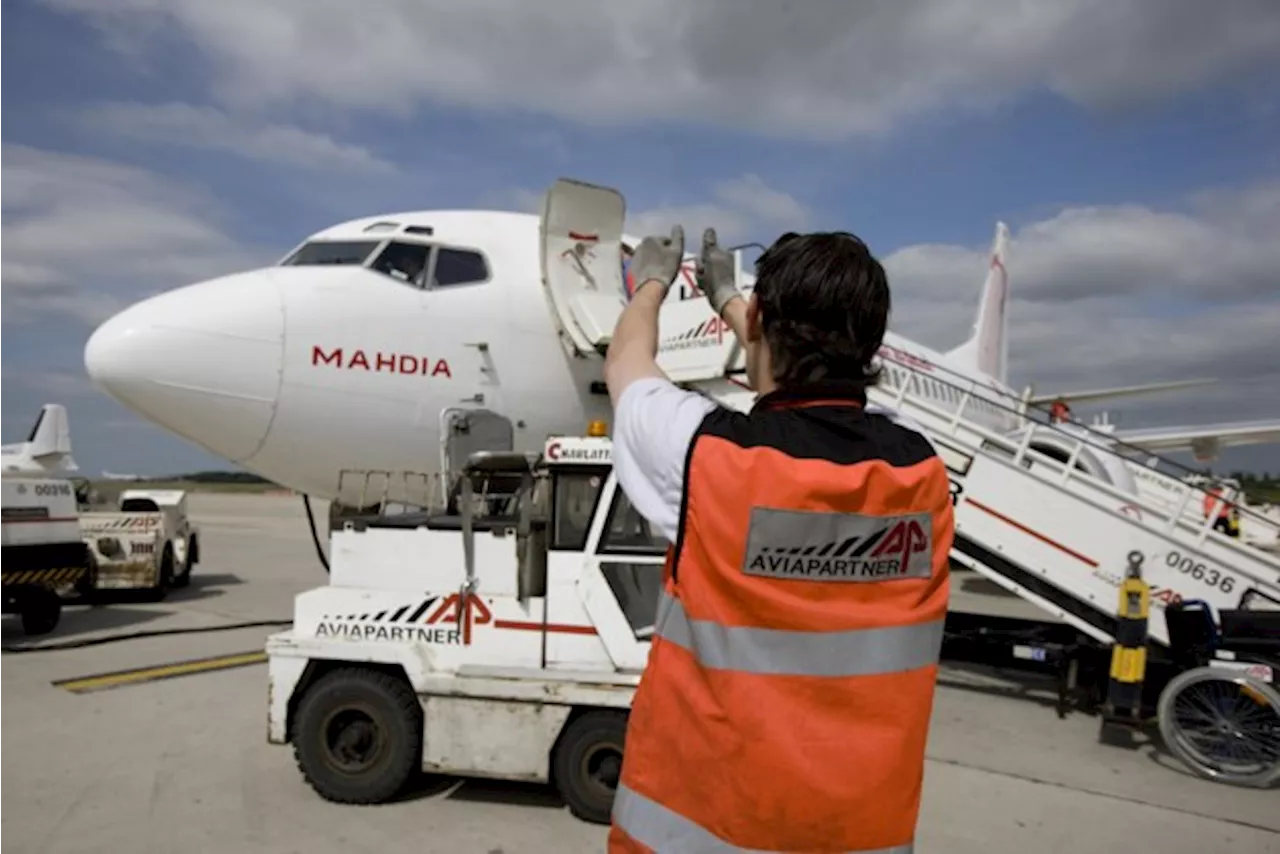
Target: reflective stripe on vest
x,y
858,652
658,828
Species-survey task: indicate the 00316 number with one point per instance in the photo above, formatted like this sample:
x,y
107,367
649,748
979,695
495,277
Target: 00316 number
x,y
1197,570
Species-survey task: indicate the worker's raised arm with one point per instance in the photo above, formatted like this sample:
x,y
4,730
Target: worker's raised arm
x,y
633,352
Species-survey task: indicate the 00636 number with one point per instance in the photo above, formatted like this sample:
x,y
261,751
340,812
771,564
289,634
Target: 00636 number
x,y
1197,570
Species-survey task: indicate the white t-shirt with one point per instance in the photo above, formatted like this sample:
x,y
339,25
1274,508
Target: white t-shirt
x,y
653,424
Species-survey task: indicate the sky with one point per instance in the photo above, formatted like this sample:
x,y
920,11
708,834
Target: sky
x,y
1132,147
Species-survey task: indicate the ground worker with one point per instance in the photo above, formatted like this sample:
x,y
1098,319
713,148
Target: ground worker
x,y
1215,502
786,700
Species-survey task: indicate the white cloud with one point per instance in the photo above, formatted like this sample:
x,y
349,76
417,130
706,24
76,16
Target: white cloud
x,y
82,235
817,70
1104,296
212,129
741,209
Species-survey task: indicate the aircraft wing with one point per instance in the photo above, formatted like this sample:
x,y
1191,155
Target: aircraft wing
x,y
1092,395
1203,440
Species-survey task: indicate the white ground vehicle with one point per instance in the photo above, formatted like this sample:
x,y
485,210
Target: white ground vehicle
x,y
147,543
43,552
512,649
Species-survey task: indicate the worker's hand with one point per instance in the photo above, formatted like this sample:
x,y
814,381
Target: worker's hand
x,y
715,272
658,259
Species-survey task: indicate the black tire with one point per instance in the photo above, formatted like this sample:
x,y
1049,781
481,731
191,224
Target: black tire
x,y
87,586
165,581
587,763
41,610
350,711
183,579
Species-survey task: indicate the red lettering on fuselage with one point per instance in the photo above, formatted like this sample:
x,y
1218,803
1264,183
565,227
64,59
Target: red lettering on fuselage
x,y
378,362
902,357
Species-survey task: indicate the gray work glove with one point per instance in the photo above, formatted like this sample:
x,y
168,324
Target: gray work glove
x,y
658,258
715,272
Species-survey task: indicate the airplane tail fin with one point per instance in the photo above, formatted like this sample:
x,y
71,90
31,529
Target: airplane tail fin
x,y
987,349
51,435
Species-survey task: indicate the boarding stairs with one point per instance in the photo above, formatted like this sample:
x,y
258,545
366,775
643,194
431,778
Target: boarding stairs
x,y
1058,535
1043,510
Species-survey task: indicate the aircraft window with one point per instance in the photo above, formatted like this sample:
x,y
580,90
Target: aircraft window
x,y
627,531
459,267
337,252
405,262
576,493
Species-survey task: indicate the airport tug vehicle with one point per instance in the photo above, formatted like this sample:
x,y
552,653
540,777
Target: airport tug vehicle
x,y
505,635
147,543
43,553
502,639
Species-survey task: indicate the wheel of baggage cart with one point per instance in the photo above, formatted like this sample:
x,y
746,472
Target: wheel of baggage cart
x,y
357,736
86,586
1223,724
588,762
41,608
164,578
183,578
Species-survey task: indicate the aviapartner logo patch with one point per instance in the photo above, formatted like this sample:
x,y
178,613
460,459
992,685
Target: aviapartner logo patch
x,y
816,546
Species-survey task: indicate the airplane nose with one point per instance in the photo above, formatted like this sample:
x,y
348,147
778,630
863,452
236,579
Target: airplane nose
x,y
203,361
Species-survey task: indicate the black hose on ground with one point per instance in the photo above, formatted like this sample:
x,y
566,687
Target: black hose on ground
x,y
315,537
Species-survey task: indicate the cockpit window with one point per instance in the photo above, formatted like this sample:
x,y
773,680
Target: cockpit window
x,y
406,262
338,252
459,267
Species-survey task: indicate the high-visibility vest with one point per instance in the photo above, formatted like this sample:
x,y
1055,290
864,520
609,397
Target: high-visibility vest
x,y
1215,496
786,700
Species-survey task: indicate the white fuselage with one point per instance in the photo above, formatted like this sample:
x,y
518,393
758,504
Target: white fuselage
x,y
298,372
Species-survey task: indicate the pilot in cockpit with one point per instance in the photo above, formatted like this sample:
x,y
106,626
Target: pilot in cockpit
x,y
404,262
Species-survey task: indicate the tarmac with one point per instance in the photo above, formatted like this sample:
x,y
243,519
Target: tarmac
x,y
182,764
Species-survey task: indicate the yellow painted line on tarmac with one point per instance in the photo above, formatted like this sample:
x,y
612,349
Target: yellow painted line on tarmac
x,y
140,675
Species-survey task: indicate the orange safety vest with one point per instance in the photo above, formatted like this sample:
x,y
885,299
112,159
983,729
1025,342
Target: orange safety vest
x,y
786,701
1212,496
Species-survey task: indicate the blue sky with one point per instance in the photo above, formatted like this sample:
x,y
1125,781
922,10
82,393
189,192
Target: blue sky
x,y
1133,148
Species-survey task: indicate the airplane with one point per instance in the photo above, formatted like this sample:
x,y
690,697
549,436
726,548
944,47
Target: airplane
x,y
48,446
374,339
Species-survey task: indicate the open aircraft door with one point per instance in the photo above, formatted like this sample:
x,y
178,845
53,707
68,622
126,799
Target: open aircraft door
x,y
581,236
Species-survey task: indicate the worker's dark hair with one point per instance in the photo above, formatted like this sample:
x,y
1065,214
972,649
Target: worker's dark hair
x,y
824,306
